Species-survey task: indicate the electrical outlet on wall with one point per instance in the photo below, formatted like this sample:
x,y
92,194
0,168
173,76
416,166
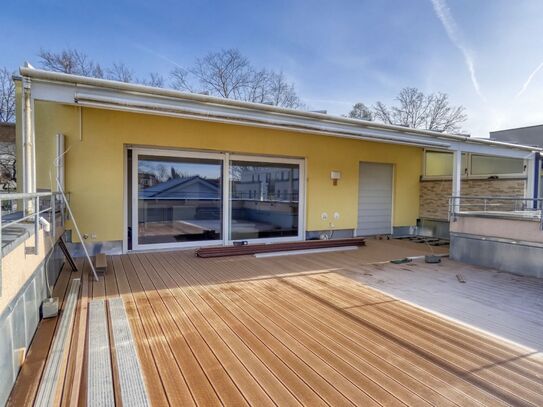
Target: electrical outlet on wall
x,y
93,236
324,216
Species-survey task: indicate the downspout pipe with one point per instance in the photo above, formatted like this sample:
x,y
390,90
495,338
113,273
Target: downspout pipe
x,y
29,154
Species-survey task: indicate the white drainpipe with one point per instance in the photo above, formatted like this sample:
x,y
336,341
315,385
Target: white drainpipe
x,y
29,151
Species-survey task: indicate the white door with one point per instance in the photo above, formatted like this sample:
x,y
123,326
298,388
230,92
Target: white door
x,y
374,199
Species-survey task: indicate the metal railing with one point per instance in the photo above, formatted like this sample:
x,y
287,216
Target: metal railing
x,y
30,210
505,206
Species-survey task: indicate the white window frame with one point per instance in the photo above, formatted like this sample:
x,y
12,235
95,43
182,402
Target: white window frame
x,y
301,195
469,175
226,159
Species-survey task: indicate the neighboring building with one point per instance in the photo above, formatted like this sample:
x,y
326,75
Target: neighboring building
x,y
274,174
528,136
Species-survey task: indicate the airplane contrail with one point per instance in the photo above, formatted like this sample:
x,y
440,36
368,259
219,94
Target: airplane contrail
x,y
156,54
527,83
444,14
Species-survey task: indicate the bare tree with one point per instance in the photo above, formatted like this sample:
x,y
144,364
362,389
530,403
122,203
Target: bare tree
x,y
229,74
73,61
420,111
226,73
155,79
7,96
282,93
8,160
360,111
120,72
70,61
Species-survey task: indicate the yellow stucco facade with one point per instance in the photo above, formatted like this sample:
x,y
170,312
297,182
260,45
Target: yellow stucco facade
x,y
95,165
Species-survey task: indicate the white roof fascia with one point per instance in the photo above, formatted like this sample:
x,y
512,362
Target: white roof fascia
x,y
71,89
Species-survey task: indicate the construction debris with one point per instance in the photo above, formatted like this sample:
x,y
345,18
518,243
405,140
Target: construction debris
x,y
432,259
460,278
101,263
250,249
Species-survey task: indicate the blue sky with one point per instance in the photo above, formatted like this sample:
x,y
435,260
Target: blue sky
x,y
483,53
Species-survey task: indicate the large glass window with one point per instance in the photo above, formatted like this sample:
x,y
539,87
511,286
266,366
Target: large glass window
x,y
488,165
264,200
179,199
440,163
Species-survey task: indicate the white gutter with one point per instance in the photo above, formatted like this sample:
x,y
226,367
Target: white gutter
x,y
235,104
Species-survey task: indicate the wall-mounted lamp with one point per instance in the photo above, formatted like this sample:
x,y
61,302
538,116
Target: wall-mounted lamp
x,y
335,176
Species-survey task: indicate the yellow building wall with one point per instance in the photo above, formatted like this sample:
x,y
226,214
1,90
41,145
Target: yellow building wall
x,y
95,172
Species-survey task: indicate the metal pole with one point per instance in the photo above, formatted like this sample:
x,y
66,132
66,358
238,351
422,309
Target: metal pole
x,y
61,190
53,217
37,225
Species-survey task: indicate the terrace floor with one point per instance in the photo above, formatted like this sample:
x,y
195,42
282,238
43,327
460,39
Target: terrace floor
x,y
295,330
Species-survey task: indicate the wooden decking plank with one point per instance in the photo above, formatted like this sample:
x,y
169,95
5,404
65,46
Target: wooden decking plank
x,y
272,353
309,357
394,377
67,363
491,373
244,368
354,375
110,282
72,384
300,330
197,382
472,383
174,383
331,344
503,377
404,312
111,290
411,362
28,380
217,375
245,382
376,371
151,375
273,387
99,288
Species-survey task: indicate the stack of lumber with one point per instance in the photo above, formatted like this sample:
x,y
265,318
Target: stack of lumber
x,y
101,263
250,249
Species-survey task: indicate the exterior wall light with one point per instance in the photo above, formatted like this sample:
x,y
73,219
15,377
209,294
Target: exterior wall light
x,y
335,176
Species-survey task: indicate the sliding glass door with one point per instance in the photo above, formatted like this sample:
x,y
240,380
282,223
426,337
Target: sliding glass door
x,y
182,199
264,200
177,199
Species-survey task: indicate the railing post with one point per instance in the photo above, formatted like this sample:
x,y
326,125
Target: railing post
x,y
53,217
37,225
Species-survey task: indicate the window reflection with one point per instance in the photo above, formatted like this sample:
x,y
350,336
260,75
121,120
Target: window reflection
x,y
179,199
264,200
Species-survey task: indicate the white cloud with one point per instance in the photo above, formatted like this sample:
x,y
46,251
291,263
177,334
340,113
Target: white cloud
x,y
453,32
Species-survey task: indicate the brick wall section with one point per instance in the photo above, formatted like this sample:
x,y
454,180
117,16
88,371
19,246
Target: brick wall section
x,y
434,195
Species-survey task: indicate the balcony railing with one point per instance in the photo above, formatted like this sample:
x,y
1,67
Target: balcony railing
x,y
23,213
496,206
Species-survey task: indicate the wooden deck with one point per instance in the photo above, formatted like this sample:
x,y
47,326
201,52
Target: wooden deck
x,y
297,330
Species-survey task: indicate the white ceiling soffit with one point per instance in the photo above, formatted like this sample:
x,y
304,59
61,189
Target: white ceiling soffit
x,y
93,96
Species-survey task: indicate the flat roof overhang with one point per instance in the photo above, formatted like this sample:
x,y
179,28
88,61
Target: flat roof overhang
x,y
113,95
